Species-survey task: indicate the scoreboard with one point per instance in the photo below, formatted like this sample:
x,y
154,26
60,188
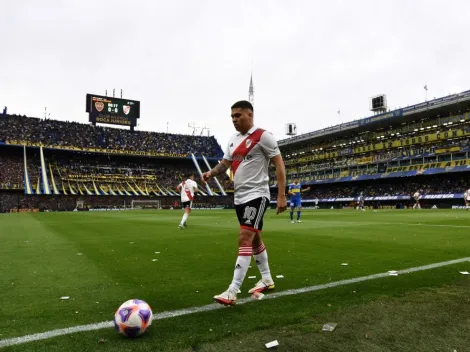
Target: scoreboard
x,y
113,111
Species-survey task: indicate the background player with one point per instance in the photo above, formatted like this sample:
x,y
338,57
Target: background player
x,y
187,189
249,154
466,197
361,202
316,203
416,198
295,192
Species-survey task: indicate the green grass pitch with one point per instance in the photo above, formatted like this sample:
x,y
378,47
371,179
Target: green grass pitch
x,y
422,311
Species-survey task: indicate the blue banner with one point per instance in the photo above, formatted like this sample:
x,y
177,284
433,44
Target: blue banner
x,y
384,116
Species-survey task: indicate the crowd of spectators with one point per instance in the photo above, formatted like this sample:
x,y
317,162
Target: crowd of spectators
x,y
62,133
382,156
435,184
148,171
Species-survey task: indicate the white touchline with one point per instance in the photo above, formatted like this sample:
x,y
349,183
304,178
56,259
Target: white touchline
x,y
408,224
214,306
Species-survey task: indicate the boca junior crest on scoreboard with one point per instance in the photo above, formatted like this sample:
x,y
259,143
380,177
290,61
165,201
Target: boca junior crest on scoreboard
x,y
112,110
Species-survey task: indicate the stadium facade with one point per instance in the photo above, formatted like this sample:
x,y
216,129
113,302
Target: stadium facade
x,y
55,165
423,147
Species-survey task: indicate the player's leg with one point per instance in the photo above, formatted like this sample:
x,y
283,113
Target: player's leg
x,y
186,207
292,207
245,242
261,257
189,209
248,216
299,211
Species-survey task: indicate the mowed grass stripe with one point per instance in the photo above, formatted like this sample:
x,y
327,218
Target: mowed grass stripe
x,y
194,264
211,307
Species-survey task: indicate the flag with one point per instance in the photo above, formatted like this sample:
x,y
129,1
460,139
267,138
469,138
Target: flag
x,y
426,87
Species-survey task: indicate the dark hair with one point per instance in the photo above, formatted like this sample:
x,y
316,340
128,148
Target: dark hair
x,y
242,104
189,175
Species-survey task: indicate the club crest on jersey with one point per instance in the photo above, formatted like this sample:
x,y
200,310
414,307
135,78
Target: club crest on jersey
x,y
126,109
248,143
99,105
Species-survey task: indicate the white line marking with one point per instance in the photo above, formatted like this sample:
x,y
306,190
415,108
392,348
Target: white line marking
x,y
210,307
434,225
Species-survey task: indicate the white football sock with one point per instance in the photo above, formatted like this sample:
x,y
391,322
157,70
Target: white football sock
x,y
261,256
241,267
185,217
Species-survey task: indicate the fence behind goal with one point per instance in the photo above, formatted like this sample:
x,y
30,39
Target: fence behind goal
x,y
145,204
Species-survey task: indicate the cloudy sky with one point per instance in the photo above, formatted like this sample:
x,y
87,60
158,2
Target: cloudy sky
x,y
190,60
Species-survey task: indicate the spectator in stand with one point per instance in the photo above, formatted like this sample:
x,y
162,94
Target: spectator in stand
x,y
77,165
60,133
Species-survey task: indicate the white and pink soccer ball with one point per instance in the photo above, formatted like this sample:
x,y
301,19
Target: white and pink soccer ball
x,y
133,318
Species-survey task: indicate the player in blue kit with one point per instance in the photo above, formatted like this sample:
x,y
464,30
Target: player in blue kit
x,y
295,192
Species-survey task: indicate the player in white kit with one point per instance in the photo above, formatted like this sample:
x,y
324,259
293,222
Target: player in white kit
x,y
249,153
416,197
466,197
187,190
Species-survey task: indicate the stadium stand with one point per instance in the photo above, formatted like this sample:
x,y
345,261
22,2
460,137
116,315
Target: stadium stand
x,y
50,165
59,134
388,156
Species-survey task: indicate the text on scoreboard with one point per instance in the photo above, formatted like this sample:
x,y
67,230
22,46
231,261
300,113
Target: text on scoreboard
x,y
114,111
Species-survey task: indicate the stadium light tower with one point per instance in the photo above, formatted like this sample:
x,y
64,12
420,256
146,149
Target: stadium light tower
x,y
378,104
251,92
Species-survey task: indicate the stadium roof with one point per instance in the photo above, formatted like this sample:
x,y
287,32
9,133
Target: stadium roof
x,y
444,104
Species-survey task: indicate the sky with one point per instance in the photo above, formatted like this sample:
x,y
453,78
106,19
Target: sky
x,y
191,60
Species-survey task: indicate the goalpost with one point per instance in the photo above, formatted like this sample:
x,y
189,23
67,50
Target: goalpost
x,y
145,204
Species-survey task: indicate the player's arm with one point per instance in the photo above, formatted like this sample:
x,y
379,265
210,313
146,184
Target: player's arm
x,y
306,189
270,148
220,169
281,183
289,191
178,188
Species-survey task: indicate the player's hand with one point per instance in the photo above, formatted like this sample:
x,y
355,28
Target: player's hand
x,y
205,177
281,203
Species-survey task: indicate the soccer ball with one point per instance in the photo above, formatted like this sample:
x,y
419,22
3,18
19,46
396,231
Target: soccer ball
x,y
133,318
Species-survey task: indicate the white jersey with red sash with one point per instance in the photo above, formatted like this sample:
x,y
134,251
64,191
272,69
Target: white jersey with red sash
x,y
187,190
250,155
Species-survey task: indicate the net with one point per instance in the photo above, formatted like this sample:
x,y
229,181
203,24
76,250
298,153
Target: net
x,y
145,204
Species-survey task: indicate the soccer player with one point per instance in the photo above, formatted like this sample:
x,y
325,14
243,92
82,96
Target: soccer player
x,y
466,197
295,192
249,153
361,202
416,198
187,189
316,203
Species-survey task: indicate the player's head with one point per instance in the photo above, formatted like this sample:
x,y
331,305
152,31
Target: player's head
x,y
296,180
190,176
242,116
